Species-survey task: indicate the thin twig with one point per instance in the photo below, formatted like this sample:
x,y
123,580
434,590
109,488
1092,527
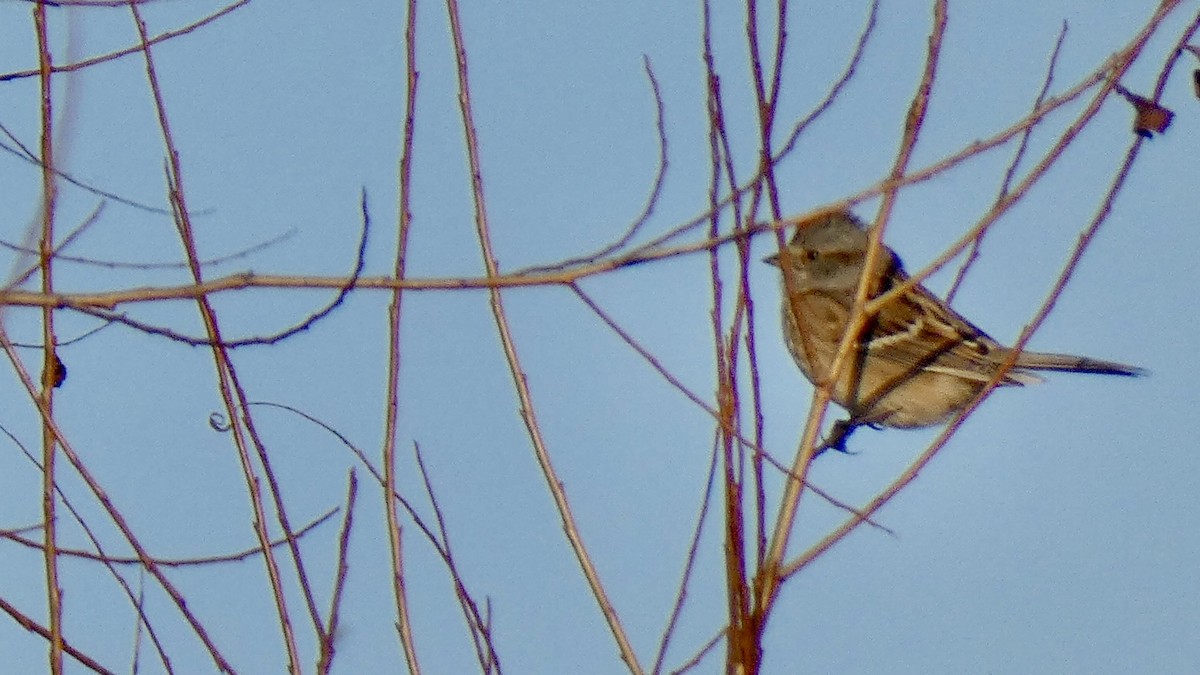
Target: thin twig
x,y
701,653
227,377
860,48
23,153
134,49
339,580
528,410
481,632
125,265
304,324
50,362
35,627
660,175
689,564
392,395
1013,165
237,556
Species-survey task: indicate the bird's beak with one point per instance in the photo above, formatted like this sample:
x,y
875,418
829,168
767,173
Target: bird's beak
x,y
772,260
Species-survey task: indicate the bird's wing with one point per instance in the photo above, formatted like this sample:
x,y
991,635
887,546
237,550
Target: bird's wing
x,y
921,332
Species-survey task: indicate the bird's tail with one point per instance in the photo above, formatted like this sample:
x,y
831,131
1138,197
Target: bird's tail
x,y
1075,364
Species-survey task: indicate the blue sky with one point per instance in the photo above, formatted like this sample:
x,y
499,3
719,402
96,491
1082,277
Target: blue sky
x,y
1055,533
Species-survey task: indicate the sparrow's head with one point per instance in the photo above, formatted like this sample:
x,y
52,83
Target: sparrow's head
x,y
827,252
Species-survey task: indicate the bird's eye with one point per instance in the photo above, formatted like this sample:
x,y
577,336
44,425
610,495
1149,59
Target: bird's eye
x,y
808,255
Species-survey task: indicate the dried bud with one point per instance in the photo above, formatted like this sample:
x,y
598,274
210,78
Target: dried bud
x,y
55,374
1195,73
1151,118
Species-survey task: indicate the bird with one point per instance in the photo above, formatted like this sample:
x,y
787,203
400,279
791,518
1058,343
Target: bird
x,y
917,362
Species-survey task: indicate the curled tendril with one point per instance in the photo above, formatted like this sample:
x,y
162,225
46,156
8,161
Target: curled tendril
x,y
219,422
